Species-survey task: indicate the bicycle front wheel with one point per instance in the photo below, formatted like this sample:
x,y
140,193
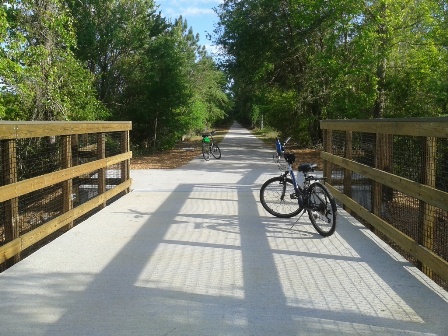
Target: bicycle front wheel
x,y
278,197
216,152
206,151
321,208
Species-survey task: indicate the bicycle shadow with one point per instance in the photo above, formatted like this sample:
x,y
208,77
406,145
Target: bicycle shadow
x,y
192,252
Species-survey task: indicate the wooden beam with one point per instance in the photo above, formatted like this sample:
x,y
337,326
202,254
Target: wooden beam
x,y
101,154
35,129
422,192
426,127
24,187
67,185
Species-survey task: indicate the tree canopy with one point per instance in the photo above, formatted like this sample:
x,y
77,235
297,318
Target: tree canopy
x,y
41,77
108,60
288,64
296,62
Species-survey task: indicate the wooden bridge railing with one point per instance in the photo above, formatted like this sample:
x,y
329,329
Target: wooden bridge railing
x,y
393,175
52,174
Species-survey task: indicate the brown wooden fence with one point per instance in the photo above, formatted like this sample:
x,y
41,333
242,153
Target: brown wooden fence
x,y
393,175
54,174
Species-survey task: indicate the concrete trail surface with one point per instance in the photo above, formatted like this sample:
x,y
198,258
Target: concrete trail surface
x,y
191,251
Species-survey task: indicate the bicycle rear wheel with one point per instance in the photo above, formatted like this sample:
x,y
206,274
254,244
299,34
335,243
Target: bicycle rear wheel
x,y
278,197
321,208
206,151
216,152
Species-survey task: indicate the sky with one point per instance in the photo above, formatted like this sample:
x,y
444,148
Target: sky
x,y
198,13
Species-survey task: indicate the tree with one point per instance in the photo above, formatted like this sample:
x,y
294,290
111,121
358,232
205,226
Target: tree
x,y
147,69
109,33
300,61
48,82
157,91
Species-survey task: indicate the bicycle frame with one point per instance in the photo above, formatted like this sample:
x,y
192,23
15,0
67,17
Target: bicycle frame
x,y
288,171
289,158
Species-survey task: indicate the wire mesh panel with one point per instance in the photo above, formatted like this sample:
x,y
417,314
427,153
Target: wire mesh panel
x,y
338,148
441,164
39,207
114,144
408,157
38,156
113,175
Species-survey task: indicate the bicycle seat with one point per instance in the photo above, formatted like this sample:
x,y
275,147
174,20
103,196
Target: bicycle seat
x,y
307,167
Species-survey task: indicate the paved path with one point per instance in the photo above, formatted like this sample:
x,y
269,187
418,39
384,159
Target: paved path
x,y
191,252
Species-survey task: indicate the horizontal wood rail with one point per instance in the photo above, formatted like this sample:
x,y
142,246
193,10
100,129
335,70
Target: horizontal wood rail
x,y
35,129
77,167
417,185
17,189
422,192
409,126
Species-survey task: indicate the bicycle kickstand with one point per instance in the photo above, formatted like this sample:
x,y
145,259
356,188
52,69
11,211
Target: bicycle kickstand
x,y
301,214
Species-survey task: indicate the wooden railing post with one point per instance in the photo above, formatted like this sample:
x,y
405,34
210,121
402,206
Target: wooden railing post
x,y
67,186
11,207
383,161
125,165
348,172
427,211
101,154
328,145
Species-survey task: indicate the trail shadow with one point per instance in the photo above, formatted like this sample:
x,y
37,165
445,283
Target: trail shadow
x,y
191,252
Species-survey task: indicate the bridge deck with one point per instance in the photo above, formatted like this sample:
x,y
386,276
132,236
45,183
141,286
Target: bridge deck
x,y
190,251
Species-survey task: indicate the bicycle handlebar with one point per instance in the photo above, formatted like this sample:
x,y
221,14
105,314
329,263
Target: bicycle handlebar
x,y
281,147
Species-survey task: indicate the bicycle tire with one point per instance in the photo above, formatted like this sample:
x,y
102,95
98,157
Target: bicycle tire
x,y
321,208
216,152
206,151
278,197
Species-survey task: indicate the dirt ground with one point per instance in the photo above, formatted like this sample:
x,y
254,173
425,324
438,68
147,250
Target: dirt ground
x,y
181,154
170,159
189,149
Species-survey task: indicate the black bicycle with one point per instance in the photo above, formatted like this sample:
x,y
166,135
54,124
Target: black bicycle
x,y
209,146
283,197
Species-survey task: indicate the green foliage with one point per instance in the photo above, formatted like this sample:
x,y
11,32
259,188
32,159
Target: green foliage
x,y
147,69
42,78
99,59
297,62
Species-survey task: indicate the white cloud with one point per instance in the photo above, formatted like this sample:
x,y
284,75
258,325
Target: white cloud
x,y
197,11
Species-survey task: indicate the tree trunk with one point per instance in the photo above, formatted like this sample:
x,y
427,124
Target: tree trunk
x,y
155,133
380,101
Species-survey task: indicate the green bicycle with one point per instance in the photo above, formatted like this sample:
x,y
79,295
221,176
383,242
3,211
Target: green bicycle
x,y
209,146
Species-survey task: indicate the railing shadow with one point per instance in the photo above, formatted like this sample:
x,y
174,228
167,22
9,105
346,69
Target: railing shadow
x,y
194,255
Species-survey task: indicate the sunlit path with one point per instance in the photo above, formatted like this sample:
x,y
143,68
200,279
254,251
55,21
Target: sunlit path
x,y
191,251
